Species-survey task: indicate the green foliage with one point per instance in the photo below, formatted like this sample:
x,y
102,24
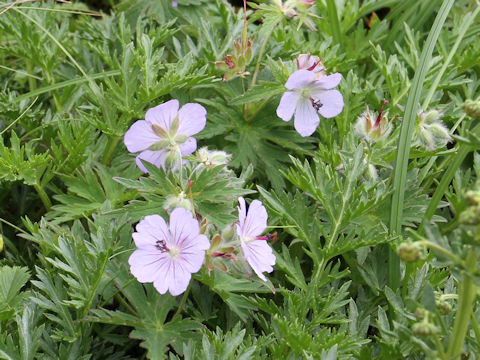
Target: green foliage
x,y
74,80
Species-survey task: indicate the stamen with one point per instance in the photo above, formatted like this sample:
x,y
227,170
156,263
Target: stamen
x,y
316,104
379,117
162,246
313,66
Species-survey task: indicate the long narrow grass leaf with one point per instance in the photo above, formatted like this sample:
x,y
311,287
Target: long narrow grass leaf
x,y
403,149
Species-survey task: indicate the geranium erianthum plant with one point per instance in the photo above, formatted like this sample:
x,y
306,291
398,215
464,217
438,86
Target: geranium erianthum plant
x,y
373,127
311,93
254,247
168,255
165,136
430,132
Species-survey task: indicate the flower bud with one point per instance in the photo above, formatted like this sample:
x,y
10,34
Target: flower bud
x,y
470,216
372,127
443,307
311,63
228,234
472,108
173,202
430,132
424,329
410,252
213,158
1,243
473,197
421,313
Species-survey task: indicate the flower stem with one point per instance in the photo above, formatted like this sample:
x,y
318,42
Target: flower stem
x,y
260,55
466,297
184,300
111,145
43,196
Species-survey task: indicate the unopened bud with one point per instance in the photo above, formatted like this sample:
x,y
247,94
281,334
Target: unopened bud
x,y
373,127
1,243
410,252
179,201
472,108
424,329
430,132
228,234
421,313
443,307
213,157
311,63
470,216
473,197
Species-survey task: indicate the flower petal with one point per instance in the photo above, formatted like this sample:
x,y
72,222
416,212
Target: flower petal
x,y
327,82
193,253
153,226
183,226
188,146
242,215
193,118
140,136
332,103
163,114
144,265
260,257
306,118
175,279
300,79
154,157
256,220
287,105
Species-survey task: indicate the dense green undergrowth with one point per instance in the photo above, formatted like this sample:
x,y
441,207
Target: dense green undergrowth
x,y
372,183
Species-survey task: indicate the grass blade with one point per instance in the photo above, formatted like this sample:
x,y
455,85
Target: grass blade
x,y
403,149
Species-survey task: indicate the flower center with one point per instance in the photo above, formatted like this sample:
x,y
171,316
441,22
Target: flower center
x,y
173,251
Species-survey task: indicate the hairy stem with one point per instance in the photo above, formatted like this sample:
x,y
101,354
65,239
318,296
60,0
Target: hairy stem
x,y
111,145
43,196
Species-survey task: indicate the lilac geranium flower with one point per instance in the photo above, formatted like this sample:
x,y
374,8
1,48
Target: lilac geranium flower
x,y
166,133
308,97
255,248
167,256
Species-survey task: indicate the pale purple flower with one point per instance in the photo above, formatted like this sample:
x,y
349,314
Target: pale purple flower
x,y
166,133
255,248
168,255
308,97
174,4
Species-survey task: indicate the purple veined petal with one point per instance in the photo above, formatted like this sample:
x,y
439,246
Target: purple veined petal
x,y
176,279
153,226
162,277
260,257
242,215
193,118
256,221
145,241
300,79
183,226
327,82
332,103
192,257
287,105
306,118
163,114
144,265
188,146
140,136
154,157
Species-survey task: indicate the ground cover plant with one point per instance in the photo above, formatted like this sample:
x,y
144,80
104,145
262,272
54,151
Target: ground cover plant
x,y
200,179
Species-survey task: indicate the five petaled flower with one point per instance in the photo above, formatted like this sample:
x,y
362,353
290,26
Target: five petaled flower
x,y
255,248
167,256
166,134
308,96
